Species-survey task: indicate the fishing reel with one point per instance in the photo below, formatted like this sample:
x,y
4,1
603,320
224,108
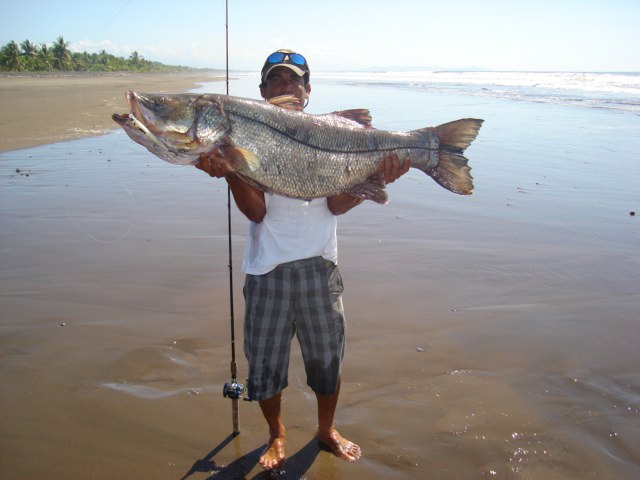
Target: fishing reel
x,y
235,391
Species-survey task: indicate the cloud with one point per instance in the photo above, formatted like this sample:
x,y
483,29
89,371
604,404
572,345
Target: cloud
x,y
92,46
188,54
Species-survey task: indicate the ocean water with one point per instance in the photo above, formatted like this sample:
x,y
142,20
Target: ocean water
x,y
544,159
490,336
612,91
529,370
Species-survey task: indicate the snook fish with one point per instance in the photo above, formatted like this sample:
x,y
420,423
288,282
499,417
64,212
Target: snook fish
x,y
292,153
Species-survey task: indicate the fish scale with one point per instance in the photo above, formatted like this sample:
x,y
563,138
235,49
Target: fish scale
x,y
291,153
298,180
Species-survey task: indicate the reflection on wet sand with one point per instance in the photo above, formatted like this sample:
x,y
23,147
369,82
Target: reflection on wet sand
x,y
487,337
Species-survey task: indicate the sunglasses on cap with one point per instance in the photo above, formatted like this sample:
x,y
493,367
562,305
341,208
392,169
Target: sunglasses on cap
x,y
292,58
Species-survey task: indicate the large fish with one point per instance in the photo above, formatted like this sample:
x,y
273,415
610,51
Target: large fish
x,y
291,153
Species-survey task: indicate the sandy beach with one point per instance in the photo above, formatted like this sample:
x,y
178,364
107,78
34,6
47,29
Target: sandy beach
x,y
42,109
490,336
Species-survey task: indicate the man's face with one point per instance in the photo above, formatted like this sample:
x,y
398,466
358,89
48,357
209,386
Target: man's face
x,y
284,81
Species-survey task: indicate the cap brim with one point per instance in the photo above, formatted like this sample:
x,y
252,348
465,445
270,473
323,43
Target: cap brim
x,y
300,72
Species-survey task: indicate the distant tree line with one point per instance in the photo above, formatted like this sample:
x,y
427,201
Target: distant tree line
x,y
29,57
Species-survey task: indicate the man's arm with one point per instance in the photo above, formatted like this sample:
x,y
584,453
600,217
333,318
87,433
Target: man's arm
x,y
392,167
250,200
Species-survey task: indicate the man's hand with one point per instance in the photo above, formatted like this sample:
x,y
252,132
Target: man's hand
x,y
393,168
213,163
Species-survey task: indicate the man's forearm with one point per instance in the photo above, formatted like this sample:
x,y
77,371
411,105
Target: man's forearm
x,y
340,204
250,200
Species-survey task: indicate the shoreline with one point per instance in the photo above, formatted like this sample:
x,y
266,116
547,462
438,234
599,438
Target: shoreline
x,y
43,108
502,326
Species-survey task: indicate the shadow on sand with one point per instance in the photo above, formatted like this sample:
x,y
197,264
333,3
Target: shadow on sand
x,y
295,466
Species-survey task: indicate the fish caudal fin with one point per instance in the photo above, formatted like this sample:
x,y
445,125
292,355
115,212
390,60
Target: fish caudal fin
x,y
458,134
452,171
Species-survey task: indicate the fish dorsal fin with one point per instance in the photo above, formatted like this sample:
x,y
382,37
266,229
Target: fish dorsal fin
x,y
290,102
358,115
240,159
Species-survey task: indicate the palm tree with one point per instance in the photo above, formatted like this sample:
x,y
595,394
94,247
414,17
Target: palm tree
x,y
57,55
11,56
45,57
30,52
81,61
103,59
29,49
135,59
61,54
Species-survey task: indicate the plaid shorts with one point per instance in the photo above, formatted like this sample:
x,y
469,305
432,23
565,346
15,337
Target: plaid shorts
x,y
303,298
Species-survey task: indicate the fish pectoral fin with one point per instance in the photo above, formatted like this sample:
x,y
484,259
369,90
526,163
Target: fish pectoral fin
x,y
371,189
241,159
289,102
358,115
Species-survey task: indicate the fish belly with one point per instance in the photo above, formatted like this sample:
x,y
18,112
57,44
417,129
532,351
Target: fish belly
x,y
295,168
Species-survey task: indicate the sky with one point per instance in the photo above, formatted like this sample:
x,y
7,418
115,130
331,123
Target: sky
x,y
344,35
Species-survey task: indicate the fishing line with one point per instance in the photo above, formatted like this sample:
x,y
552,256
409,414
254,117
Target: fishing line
x,y
107,25
82,200
93,237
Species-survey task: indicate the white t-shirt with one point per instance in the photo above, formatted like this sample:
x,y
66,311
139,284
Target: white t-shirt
x,y
291,230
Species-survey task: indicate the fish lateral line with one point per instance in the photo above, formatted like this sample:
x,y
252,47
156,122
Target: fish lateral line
x,y
294,139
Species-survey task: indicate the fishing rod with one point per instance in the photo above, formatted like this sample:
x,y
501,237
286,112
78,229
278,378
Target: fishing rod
x,y
232,390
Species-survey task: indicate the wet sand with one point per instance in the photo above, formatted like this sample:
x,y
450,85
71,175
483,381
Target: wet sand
x,y
487,338
48,108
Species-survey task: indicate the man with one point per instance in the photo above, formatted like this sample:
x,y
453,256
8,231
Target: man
x,y
292,283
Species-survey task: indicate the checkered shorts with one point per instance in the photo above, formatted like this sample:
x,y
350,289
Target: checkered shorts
x,y
303,298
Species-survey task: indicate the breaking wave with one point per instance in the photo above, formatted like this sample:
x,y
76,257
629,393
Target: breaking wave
x,y
613,91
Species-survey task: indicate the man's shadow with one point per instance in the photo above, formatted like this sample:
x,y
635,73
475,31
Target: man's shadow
x,y
295,466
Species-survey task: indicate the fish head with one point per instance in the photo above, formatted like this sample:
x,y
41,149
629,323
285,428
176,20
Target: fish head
x,y
177,128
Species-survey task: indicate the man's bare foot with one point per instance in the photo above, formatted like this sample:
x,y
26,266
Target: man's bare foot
x,y
273,457
339,446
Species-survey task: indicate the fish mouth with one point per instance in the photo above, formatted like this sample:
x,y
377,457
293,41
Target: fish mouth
x,y
134,105
137,130
136,124
121,118
124,119
136,116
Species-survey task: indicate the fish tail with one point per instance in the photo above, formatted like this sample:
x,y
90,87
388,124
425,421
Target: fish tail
x,y
452,171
